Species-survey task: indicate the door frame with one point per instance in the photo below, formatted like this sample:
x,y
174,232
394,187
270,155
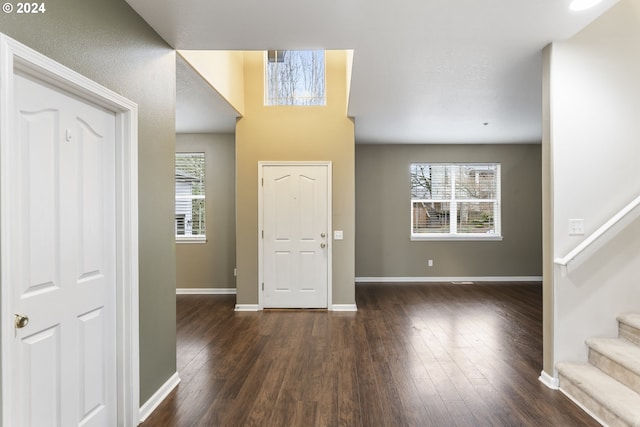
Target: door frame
x,y
329,166
18,58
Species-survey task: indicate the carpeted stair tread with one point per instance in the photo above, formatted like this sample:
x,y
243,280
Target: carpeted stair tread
x,y
631,319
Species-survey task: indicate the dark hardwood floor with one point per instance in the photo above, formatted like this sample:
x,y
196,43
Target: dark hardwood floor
x,y
413,355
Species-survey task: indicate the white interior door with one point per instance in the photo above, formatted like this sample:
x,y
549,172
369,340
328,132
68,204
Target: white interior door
x,y
63,264
295,241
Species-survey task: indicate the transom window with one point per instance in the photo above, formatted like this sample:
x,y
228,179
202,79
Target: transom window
x,y
190,197
295,77
455,201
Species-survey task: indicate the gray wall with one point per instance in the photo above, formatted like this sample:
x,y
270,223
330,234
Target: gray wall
x,y
108,42
211,264
383,245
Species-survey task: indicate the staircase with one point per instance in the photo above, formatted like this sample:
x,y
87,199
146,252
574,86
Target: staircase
x,y
609,385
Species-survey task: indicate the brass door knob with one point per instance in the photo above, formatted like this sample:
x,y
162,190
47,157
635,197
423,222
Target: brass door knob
x,y
21,321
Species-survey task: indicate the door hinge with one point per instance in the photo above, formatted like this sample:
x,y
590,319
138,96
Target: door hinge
x,y
263,234
262,286
263,182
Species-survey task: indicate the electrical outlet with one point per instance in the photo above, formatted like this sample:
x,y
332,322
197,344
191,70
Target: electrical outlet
x,y
576,227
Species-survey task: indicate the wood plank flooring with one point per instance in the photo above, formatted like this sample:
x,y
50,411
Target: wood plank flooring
x,y
413,355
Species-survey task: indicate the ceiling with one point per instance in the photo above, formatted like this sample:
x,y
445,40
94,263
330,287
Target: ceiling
x,y
424,71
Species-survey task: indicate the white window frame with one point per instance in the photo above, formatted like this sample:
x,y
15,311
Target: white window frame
x,y
199,238
453,209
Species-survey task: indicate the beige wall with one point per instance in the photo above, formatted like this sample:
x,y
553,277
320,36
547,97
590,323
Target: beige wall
x,y
383,247
211,264
109,43
295,133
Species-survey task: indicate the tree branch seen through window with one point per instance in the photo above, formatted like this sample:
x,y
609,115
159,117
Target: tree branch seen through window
x,y
451,200
295,77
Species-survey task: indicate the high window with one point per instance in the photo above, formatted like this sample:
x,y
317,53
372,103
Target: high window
x,y
455,201
295,77
190,197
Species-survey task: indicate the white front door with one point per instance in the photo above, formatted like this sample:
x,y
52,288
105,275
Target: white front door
x,y
295,261
63,265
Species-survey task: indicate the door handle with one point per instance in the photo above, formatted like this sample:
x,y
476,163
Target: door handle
x,y
323,245
21,321
323,235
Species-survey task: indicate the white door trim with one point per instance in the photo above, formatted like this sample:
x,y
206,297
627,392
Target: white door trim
x,y
16,57
328,164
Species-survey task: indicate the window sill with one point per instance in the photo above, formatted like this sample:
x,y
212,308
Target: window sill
x,y
453,237
191,240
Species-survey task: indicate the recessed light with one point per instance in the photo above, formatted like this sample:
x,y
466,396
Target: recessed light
x,y
578,5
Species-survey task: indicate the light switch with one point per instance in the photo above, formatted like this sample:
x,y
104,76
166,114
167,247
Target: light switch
x,y
576,227
337,235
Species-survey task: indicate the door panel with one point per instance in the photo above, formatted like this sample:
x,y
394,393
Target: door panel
x,y
295,221
64,195
41,373
91,203
92,350
38,150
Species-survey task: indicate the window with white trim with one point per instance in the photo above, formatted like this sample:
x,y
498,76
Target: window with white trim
x,y
295,77
190,197
455,201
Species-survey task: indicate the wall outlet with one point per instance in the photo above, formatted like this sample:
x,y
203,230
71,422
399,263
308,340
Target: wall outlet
x,y
430,263
338,235
576,227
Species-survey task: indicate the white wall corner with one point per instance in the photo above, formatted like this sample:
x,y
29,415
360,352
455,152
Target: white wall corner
x,y
552,382
157,398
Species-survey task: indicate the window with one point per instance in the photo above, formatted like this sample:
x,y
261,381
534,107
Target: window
x,y
455,201
295,77
190,197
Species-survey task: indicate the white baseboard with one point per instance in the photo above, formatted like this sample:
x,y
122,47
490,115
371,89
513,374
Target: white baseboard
x,y
551,382
343,307
247,307
206,291
334,307
433,279
157,398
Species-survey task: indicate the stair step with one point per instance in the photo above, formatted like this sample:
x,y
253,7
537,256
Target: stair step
x,y
609,400
629,327
618,358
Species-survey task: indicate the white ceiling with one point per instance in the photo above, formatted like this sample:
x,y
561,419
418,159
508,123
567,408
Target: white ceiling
x,y
424,71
